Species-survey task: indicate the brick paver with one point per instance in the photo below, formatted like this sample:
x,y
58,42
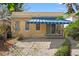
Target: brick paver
x,y
35,47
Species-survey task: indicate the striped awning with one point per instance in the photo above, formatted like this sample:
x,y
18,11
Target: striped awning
x,y
47,21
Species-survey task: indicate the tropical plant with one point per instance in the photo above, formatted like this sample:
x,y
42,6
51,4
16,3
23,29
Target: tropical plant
x,y
60,17
70,8
12,7
73,30
15,7
65,49
7,9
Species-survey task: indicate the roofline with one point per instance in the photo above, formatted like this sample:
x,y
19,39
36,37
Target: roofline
x,y
32,14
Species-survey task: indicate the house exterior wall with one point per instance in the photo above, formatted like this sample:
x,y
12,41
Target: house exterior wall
x,y
32,33
32,29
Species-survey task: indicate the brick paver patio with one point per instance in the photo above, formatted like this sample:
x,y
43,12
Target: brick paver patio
x,y
35,47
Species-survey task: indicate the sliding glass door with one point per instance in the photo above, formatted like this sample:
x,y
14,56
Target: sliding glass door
x,y
50,28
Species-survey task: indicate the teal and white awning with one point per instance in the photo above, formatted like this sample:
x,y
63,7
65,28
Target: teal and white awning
x,y
47,21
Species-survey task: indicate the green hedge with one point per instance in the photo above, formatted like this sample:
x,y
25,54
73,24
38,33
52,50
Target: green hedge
x,y
64,50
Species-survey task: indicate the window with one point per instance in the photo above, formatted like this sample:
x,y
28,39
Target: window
x,y
37,26
26,26
17,27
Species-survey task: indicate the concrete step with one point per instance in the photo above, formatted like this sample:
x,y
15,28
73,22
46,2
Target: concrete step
x,y
54,37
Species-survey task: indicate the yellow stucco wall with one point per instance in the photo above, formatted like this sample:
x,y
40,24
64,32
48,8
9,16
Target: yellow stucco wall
x,y
32,29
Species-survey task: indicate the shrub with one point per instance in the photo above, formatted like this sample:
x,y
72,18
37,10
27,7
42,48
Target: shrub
x,y
66,43
20,37
64,50
72,30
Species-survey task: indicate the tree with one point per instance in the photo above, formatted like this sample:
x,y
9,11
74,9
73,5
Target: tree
x,y
11,7
73,28
7,9
17,7
70,8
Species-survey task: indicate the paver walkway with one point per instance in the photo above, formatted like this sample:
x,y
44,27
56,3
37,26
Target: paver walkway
x,y
35,47
39,47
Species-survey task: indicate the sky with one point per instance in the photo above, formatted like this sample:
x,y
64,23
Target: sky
x,y
44,7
